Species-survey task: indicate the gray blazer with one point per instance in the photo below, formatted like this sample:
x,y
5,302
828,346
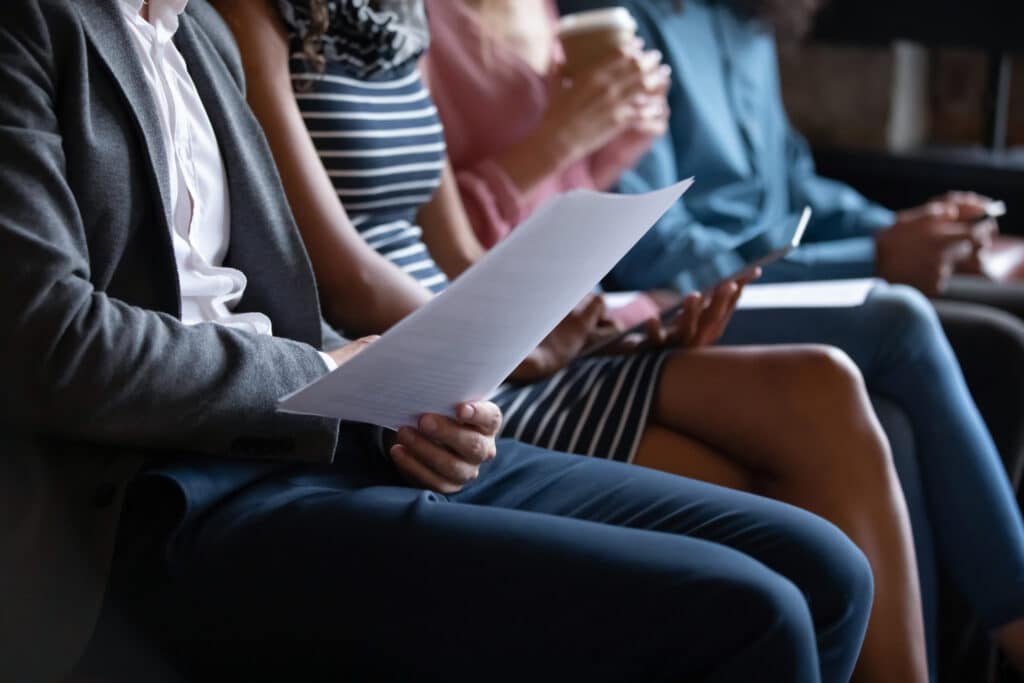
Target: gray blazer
x,y
99,372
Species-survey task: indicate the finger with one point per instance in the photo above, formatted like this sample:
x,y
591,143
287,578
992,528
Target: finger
x,y
594,311
715,314
727,318
747,276
983,233
617,65
959,251
448,465
633,343
418,474
656,336
352,349
933,212
623,76
945,273
686,325
483,415
463,440
970,205
943,237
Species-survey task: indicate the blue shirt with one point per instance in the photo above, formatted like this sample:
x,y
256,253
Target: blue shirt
x,y
729,128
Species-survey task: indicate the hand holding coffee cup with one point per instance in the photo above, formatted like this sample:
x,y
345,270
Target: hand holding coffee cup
x,y
607,88
608,84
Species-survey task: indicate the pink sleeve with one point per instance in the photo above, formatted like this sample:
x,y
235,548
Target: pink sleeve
x,y
635,312
493,202
618,156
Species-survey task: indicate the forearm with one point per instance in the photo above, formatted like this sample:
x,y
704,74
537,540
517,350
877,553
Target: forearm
x,y
447,230
385,294
85,367
529,164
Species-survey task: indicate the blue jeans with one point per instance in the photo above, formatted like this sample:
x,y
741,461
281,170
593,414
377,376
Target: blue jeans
x,y
969,509
548,567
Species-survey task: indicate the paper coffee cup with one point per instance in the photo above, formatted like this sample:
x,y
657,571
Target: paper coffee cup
x,y
591,36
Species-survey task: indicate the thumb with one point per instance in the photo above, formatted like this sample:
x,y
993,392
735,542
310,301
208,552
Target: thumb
x,y
594,311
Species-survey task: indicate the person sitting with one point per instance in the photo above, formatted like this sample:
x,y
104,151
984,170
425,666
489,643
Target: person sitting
x,y
728,126
159,303
345,114
496,74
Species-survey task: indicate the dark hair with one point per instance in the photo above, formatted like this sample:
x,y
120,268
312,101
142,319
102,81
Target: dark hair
x,y
320,21
788,19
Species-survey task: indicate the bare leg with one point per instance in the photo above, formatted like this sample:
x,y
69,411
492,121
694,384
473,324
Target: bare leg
x,y
663,449
798,422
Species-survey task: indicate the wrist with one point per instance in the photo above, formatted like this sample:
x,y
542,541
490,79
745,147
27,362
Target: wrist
x,y
541,155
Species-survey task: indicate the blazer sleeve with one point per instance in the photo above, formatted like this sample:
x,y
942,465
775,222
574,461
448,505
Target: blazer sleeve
x,y
79,364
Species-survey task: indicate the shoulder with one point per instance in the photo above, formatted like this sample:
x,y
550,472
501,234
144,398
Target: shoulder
x,y
37,39
29,20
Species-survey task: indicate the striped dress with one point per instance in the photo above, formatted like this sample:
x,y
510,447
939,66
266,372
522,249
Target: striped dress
x,y
380,140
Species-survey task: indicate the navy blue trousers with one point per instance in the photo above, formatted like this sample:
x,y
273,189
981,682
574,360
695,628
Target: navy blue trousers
x,y
548,567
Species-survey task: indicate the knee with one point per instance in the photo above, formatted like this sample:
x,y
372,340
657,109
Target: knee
x,y
905,316
822,606
777,617
837,409
837,579
826,379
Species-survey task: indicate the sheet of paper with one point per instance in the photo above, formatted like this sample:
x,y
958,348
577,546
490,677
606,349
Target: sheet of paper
x,y
817,294
466,341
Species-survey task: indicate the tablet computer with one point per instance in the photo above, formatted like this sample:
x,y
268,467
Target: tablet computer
x,y
792,228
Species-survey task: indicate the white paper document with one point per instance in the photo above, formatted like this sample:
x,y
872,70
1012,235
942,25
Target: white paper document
x,y
817,294
463,343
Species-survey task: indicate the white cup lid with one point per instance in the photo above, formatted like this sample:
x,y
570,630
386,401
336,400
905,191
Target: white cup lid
x,y
581,22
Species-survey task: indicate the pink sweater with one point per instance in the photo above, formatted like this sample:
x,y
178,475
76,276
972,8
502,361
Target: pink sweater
x,y
490,99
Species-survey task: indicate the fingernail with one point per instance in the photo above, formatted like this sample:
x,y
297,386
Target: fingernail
x,y
396,451
428,425
467,411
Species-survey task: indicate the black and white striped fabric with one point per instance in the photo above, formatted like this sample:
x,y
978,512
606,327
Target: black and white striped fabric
x,y
381,142
382,145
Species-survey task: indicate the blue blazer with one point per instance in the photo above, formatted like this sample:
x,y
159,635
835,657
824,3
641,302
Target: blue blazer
x,y
729,129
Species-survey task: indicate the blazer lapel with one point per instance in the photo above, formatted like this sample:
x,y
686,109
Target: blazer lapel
x,y
265,244
106,30
104,26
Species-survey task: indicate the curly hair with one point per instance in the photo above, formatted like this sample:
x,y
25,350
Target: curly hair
x,y
788,19
320,21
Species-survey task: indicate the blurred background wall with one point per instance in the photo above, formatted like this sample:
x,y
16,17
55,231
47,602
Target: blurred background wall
x,y
908,98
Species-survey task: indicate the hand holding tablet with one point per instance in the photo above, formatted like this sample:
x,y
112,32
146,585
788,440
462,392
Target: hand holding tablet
x,y
675,324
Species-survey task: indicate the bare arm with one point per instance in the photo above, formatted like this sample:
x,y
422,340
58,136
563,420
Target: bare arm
x,y
447,230
348,271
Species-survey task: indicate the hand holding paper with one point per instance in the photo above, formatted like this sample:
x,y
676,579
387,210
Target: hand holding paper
x,y
466,341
